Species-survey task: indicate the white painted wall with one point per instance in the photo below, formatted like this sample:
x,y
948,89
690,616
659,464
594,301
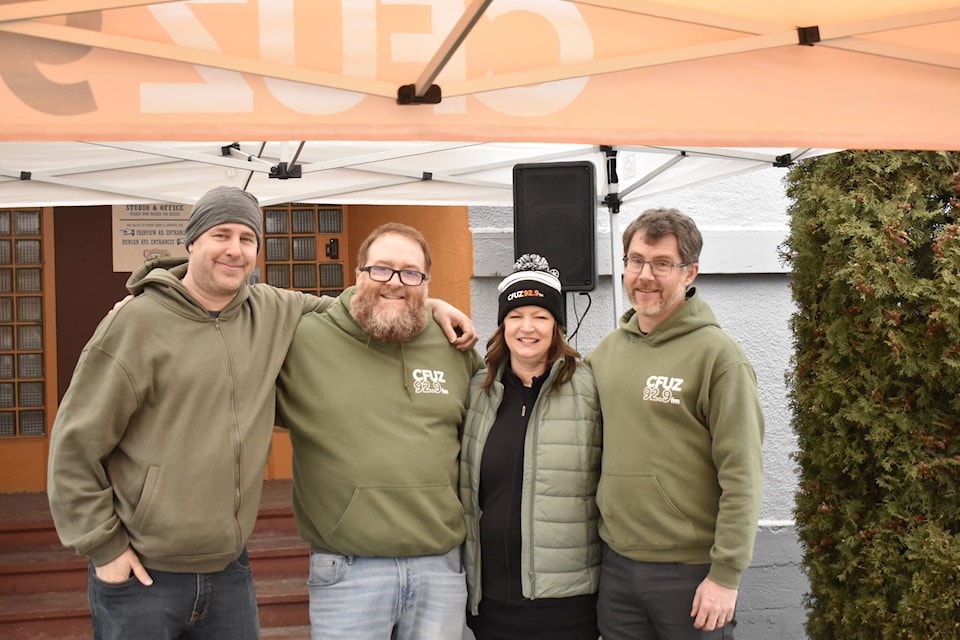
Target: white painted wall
x,y
743,220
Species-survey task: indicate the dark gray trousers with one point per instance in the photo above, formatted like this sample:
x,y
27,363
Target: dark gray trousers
x,y
651,600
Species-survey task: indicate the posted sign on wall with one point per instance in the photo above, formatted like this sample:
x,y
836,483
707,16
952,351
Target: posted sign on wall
x,y
141,231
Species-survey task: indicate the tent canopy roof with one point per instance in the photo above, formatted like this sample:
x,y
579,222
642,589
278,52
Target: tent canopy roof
x,y
433,101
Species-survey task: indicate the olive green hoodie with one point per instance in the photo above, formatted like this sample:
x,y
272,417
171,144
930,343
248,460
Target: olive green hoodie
x,y
682,431
375,434
161,440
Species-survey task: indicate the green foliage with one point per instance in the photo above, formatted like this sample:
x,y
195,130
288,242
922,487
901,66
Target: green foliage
x,y
874,248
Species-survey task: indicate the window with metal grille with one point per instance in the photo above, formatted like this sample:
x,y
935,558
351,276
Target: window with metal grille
x,y
22,410
303,247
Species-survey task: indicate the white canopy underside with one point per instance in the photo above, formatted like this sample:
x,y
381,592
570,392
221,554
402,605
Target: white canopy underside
x,y
341,172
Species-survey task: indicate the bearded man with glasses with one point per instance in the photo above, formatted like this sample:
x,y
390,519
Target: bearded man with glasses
x,y
374,396
679,492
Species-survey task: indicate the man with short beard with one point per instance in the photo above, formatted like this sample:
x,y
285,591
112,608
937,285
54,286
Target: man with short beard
x,y
160,444
374,396
682,469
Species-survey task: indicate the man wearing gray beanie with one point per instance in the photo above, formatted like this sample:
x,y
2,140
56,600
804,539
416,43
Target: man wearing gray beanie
x,y
159,447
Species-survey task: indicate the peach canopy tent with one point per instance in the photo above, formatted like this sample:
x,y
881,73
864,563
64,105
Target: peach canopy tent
x,y
430,100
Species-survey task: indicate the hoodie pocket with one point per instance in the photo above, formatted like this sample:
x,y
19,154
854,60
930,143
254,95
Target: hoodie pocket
x,y
638,514
401,521
147,495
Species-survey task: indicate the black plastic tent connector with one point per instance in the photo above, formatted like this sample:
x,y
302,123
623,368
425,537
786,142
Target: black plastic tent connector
x,y
282,172
784,160
407,94
808,36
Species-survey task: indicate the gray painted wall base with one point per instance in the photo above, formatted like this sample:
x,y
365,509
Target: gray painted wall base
x,y
770,605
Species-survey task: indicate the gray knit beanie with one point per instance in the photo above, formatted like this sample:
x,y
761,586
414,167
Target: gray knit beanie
x,y
224,205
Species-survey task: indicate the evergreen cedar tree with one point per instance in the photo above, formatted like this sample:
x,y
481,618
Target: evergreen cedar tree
x,y
874,248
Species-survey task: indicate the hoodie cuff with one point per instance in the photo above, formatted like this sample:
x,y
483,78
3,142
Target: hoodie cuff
x,y
725,576
110,549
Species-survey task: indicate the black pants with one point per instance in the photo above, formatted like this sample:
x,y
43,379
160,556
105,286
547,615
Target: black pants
x,y
547,619
651,600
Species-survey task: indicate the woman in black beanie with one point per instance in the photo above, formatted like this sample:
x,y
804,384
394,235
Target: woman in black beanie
x,y
529,468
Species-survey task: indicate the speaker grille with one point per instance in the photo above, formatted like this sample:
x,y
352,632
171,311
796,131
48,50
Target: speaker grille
x,y
554,215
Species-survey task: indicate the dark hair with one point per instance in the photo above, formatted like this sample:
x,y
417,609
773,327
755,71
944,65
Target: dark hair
x,y
498,354
656,223
399,229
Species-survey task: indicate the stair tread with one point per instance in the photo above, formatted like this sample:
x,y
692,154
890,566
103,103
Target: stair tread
x,y
42,605
300,632
25,633
43,584
275,540
47,604
55,557
285,633
40,558
24,511
31,510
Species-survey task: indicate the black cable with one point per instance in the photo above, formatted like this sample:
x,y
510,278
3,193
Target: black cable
x,y
580,318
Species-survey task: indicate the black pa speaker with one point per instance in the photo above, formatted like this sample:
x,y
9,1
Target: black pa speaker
x,y
554,215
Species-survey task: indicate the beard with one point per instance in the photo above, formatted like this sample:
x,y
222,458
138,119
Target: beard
x,y
669,299
386,324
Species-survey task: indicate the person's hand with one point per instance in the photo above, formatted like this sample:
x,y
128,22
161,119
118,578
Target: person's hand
x,y
713,605
120,303
119,569
457,326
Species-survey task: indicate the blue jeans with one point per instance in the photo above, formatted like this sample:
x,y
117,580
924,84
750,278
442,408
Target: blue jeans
x,y
211,606
651,600
358,598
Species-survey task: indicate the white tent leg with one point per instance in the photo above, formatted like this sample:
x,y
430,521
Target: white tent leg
x,y
616,267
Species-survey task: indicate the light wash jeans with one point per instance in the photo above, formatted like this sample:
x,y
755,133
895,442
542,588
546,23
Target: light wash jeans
x,y
202,606
357,598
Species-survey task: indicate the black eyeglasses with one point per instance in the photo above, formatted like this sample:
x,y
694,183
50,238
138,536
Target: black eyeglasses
x,y
634,264
384,274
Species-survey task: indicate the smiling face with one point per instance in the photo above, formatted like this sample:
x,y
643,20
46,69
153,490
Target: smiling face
x,y
221,260
528,333
653,297
391,311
